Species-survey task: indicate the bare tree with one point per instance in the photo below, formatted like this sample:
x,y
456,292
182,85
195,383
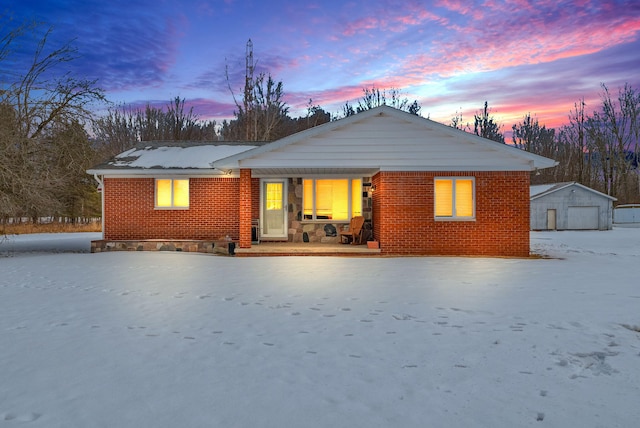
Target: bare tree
x,y
614,132
486,126
579,149
374,97
262,114
458,123
529,135
38,107
122,127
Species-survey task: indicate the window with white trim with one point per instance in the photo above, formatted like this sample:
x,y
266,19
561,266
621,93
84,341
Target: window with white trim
x,y
454,198
172,193
331,199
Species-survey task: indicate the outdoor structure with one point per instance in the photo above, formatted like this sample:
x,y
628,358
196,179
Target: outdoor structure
x,y
570,206
627,215
423,188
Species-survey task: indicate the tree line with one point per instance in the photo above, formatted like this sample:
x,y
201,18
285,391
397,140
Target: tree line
x,y
50,135
600,150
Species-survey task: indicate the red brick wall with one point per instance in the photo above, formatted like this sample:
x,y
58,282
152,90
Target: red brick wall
x,y
403,215
213,210
245,212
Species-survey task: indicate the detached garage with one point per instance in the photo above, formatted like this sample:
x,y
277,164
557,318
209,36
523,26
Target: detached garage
x,y
570,206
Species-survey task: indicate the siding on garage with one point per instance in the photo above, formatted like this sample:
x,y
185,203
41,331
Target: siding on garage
x,y
577,207
627,215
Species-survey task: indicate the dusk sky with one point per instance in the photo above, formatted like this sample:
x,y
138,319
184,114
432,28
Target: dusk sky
x,y
537,57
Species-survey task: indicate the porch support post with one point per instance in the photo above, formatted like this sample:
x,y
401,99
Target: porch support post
x,y
245,208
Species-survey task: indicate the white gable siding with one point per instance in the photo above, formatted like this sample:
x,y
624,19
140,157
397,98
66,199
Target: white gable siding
x,y
387,142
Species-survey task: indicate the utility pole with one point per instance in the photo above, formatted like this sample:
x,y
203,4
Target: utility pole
x,y
248,95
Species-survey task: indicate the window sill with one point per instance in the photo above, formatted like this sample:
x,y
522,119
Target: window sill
x,y
456,219
171,208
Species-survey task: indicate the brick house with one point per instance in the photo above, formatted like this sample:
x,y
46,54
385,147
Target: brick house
x,y
423,187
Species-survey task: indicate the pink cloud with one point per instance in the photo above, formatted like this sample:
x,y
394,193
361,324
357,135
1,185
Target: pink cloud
x,y
491,45
462,7
363,24
395,20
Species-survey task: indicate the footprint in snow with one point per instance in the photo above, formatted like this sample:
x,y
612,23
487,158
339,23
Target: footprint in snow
x,y
27,417
403,317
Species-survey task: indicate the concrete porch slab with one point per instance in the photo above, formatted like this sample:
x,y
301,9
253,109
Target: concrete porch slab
x,y
305,249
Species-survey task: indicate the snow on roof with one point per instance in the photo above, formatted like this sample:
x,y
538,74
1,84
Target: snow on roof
x,y
540,188
172,155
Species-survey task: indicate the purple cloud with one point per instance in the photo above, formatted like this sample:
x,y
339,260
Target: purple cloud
x,y
121,49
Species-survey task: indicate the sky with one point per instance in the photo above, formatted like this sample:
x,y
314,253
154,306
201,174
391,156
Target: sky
x,y
174,339
522,57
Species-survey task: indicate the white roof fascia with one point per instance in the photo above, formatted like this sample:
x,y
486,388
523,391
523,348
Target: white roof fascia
x,y
451,168
595,191
569,184
136,173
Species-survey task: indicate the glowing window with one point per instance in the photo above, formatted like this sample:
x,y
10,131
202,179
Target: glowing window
x,y
454,198
274,196
332,199
172,193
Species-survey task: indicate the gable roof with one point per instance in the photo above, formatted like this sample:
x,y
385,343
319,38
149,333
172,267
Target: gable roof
x,y
540,190
152,157
384,139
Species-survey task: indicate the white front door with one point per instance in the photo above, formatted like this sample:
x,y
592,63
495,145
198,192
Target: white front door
x,y
273,208
551,219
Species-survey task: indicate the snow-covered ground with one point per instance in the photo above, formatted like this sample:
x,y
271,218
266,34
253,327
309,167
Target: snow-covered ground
x,y
150,339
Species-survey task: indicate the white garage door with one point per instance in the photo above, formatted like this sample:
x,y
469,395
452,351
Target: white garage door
x,y
583,218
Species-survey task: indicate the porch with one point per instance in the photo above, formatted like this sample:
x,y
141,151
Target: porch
x,y
306,249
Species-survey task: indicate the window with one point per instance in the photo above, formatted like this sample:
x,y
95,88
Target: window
x,y
455,198
273,196
332,199
172,193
